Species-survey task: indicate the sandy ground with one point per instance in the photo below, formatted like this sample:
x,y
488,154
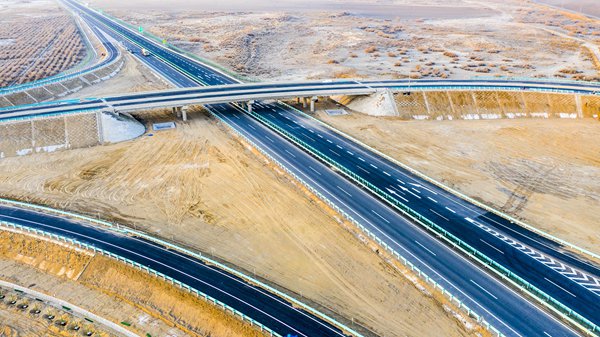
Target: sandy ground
x,y
458,39
546,172
199,186
108,289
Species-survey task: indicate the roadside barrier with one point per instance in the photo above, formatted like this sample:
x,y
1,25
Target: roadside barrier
x,y
128,231
447,188
141,267
487,262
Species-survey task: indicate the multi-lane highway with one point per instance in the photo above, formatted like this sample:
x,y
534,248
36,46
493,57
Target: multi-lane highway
x,y
570,279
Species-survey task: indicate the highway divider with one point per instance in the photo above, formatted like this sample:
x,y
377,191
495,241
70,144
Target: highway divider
x,y
370,234
449,189
128,231
484,260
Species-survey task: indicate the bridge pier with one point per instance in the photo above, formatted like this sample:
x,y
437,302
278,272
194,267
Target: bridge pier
x,y
177,111
312,103
250,104
304,102
184,110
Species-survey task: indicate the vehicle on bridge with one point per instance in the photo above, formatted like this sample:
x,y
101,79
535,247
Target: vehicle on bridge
x,y
145,52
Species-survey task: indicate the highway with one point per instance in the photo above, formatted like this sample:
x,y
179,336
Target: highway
x,y
531,256
265,91
277,314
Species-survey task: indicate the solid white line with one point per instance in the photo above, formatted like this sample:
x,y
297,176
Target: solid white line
x,y
489,244
384,219
427,249
482,288
438,214
570,293
432,270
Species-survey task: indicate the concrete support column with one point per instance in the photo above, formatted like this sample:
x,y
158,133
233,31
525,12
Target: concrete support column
x,y
184,110
304,102
579,106
312,103
250,104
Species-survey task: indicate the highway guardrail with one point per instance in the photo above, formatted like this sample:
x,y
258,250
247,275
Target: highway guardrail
x,y
141,267
449,189
424,276
456,242
128,231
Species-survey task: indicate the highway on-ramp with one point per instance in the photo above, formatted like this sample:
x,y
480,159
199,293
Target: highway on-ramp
x,y
273,312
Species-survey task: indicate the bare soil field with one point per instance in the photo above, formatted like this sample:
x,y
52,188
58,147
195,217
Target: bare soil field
x,y
203,188
109,289
546,172
457,39
38,39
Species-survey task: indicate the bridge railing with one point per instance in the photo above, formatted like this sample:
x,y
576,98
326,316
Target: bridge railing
x,y
532,79
456,242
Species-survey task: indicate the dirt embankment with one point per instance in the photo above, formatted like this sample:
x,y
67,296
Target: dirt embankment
x,y
201,187
546,172
109,289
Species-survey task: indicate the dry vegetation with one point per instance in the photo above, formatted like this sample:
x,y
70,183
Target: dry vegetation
x,y
111,290
546,172
484,38
201,187
37,46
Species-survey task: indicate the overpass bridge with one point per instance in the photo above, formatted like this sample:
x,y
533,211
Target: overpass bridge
x,y
249,93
